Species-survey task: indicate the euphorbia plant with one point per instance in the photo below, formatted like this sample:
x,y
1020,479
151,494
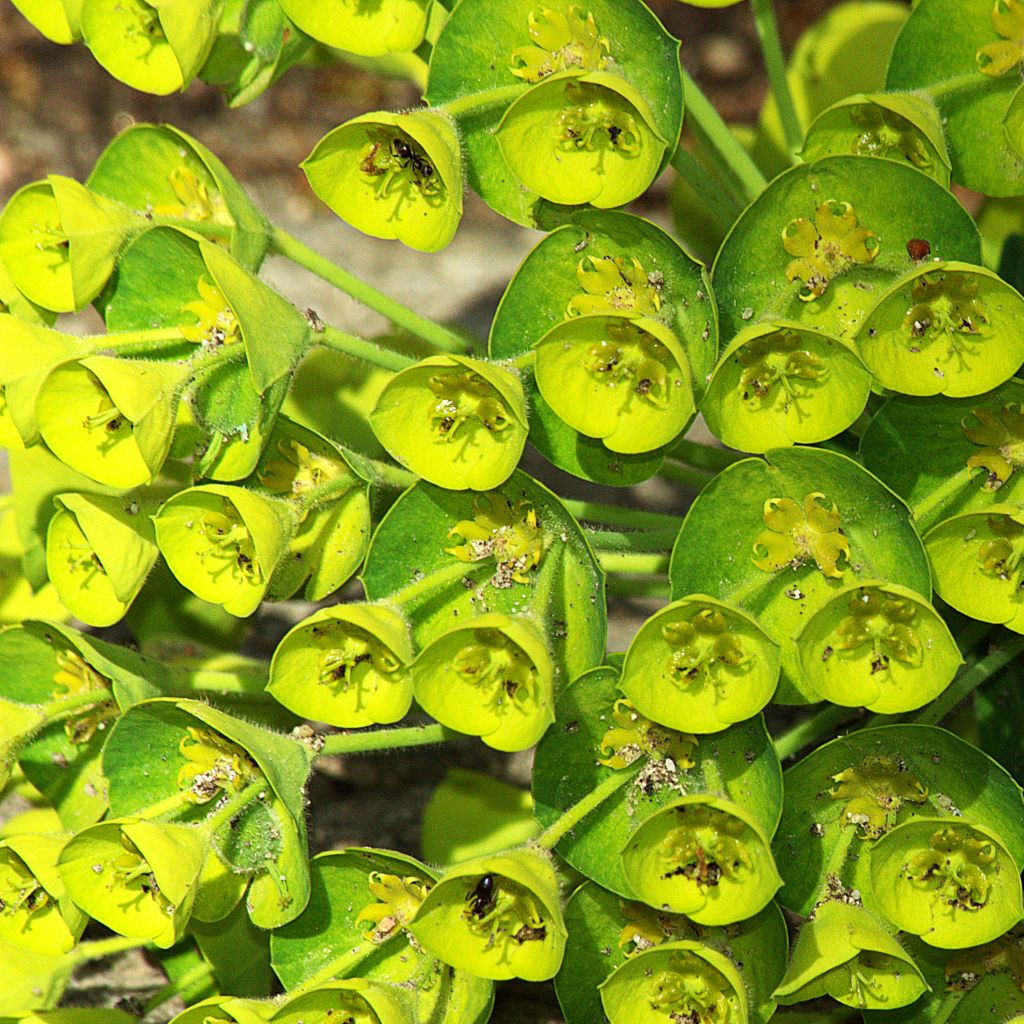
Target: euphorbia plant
x,y
856,544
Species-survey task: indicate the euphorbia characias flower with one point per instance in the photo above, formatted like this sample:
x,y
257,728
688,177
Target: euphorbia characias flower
x,y
137,877
458,422
35,912
879,646
502,529
875,790
825,248
111,419
372,30
675,981
99,551
797,534
997,58
625,381
1001,435
582,137
59,241
563,39
496,917
156,46
347,666
393,176
702,856
214,766
700,665
613,284
222,543
845,952
397,901
491,677
948,880
632,736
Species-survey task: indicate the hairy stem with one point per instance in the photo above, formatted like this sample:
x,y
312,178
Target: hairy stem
x,y
650,540
822,723
442,339
569,819
621,515
632,562
388,739
360,348
708,457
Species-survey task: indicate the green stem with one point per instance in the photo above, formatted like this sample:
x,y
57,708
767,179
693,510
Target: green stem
x,y
223,814
569,819
430,584
822,723
643,586
192,981
713,781
621,515
359,348
705,456
388,739
948,1005
480,102
947,489
957,84
728,157
684,476
133,342
96,949
62,707
633,562
721,207
206,228
169,804
324,494
386,475
775,65
969,680
652,540
442,339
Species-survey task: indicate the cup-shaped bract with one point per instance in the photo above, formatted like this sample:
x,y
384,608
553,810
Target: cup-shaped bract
x,y
948,328
137,877
676,981
457,422
577,138
99,551
704,857
371,30
844,952
393,176
950,881
780,384
347,666
496,917
623,380
59,242
156,46
225,1010
491,677
904,127
111,419
59,20
880,646
222,543
700,665
35,912
350,1000
978,560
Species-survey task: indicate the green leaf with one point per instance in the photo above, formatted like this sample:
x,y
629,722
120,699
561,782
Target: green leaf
x,y
470,815
773,241
739,535
33,981
890,775
780,384
515,550
593,725
946,328
940,52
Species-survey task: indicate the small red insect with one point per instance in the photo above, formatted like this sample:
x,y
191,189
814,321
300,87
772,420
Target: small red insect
x,y
918,249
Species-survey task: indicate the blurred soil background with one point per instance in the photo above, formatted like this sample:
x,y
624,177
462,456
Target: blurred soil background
x,y
58,109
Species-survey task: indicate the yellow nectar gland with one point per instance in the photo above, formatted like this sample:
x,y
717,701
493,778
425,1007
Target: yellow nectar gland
x,y
594,121
20,891
995,59
874,792
74,677
824,249
464,401
1001,556
562,41
797,534
633,736
613,284
706,847
130,871
632,359
231,547
213,766
195,202
216,323
503,530
885,133
1001,436
398,899
339,665
778,361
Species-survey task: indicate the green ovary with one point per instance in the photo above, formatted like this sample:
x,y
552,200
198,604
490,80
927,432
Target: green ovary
x,y
704,650
691,991
1001,556
351,656
21,894
464,403
887,134
1001,436
779,361
229,548
594,121
631,361
946,310
499,667
883,624
955,868
706,848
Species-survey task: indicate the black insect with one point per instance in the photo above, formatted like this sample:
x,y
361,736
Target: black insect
x,y
481,899
403,151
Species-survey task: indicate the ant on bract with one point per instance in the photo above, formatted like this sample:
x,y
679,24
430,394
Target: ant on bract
x,y
390,159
